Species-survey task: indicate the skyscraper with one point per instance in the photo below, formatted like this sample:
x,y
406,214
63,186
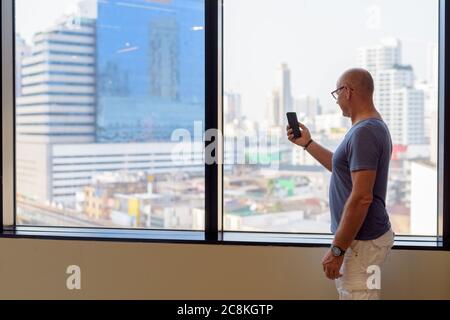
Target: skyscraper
x,y
399,102
23,50
149,81
284,87
150,59
231,106
280,99
274,109
57,104
380,57
407,124
307,107
430,89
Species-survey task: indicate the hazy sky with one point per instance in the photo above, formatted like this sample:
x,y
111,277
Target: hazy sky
x,y
37,15
316,38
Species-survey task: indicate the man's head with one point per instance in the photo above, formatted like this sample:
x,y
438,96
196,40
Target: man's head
x,y
354,91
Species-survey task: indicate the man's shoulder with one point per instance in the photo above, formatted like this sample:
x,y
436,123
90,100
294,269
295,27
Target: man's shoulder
x,y
364,130
370,133
370,129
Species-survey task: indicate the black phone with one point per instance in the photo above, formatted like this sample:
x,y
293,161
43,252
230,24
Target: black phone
x,y
293,123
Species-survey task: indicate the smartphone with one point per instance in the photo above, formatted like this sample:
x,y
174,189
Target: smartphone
x,y
293,123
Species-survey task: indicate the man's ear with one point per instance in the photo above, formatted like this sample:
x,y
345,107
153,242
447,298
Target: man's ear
x,y
348,93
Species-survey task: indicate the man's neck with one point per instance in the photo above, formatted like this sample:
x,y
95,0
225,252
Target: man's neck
x,y
370,113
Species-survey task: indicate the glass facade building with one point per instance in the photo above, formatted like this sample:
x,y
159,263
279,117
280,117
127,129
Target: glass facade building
x,y
150,65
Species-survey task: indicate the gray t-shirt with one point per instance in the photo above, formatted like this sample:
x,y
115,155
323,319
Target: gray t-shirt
x,y
366,146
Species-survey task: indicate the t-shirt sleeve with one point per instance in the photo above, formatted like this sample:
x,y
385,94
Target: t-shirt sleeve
x,y
363,150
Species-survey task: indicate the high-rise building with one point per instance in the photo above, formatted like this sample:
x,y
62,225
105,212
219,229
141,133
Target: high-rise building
x,y
231,106
274,109
280,99
380,57
150,60
57,104
430,105
430,90
307,108
284,88
407,117
399,102
65,97
23,50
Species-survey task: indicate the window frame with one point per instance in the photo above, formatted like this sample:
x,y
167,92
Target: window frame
x,y
214,214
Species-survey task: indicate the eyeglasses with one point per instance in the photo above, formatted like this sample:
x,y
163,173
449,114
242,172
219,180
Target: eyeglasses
x,y
335,93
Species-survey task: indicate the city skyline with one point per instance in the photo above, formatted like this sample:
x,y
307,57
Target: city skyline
x,y
375,20
253,49
58,102
84,83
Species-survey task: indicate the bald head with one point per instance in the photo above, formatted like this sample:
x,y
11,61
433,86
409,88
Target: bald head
x,y
360,80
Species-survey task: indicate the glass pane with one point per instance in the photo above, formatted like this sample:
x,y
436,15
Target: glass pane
x,y
288,57
107,94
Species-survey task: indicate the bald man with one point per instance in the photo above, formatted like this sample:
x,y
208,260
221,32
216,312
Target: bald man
x,y
359,174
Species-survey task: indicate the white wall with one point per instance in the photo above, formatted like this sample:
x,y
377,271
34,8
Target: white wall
x,y
36,269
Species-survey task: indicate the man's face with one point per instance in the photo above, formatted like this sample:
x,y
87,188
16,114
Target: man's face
x,y
342,100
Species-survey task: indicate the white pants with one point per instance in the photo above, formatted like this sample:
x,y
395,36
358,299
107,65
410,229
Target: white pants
x,y
357,267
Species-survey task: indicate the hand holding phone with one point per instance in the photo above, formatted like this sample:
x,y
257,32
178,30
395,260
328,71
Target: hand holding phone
x,y
303,137
293,124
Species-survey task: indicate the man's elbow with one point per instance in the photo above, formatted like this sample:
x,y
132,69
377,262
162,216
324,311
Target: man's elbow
x,y
364,200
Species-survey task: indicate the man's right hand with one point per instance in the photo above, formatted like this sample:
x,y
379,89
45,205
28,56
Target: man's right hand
x,y
303,140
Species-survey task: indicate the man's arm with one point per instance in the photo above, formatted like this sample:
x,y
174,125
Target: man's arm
x,y
356,207
321,154
355,211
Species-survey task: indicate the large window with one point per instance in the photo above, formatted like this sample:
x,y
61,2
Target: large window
x,y
286,55
107,108
104,93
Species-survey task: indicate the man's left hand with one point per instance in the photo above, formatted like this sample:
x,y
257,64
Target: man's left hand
x,y
332,265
